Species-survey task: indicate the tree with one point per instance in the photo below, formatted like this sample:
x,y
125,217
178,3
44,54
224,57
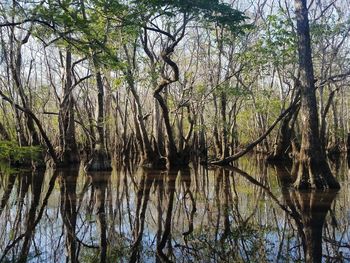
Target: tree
x,y
68,147
314,171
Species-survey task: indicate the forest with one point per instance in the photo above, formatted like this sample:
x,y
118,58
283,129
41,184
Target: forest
x,y
114,86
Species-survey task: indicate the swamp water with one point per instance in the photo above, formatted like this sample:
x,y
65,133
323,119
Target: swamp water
x,y
248,214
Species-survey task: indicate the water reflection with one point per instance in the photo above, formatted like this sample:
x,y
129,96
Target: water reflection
x,y
35,181
308,210
191,215
68,208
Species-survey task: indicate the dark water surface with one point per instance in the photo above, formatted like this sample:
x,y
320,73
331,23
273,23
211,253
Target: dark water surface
x,y
191,215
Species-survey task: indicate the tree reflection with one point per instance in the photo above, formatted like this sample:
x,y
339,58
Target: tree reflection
x,y
143,193
7,191
34,180
68,207
186,180
165,235
309,210
37,179
218,215
164,185
100,182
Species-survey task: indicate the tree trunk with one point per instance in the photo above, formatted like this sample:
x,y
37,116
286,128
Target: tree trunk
x,y
203,152
334,147
148,156
68,147
20,129
171,149
224,131
158,130
100,160
16,68
218,144
314,171
284,138
174,157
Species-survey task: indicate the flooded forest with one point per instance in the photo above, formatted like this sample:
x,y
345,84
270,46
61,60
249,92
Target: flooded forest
x,y
174,131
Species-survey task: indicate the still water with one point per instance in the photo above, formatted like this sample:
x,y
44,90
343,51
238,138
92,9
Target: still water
x,y
197,214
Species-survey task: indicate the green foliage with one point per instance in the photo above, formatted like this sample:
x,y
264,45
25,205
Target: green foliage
x,y
12,152
206,10
321,30
200,89
232,90
92,28
5,168
277,45
266,103
117,83
99,28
